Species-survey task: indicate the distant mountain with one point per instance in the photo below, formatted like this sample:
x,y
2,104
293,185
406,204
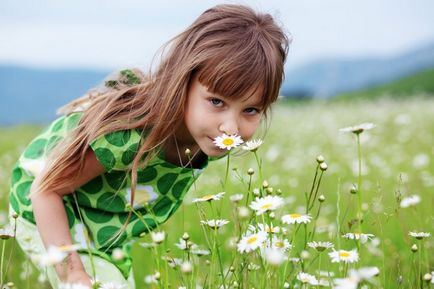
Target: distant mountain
x,y
329,77
33,95
421,83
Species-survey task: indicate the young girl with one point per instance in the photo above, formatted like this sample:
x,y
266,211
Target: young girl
x,y
122,149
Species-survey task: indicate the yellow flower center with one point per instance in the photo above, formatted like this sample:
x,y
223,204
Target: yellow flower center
x,y
207,197
278,244
228,141
344,254
266,206
252,240
295,216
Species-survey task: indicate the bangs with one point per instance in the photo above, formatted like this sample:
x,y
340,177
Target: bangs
x,y
240,70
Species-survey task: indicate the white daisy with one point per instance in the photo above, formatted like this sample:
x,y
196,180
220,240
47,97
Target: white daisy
x,y
267,203
346,283
268,228
364,273
207,198
144,194
200,252
251,242
158,237
320,246
6,233
357,129
111,285
274,256
150,279
410,201
306,278
228,141
253,267
296,219
358,236
172,262
279,243
419,235
185,245
215,224
54,254
344,256
252,145
147,245
236,198
355,277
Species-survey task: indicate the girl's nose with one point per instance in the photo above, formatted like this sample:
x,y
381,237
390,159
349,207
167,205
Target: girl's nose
x,y
229,127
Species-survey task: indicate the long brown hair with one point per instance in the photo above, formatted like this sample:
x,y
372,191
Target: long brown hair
x,y
231,48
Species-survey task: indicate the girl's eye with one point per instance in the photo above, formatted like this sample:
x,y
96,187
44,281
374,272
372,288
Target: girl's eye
x,y
252,110
216,102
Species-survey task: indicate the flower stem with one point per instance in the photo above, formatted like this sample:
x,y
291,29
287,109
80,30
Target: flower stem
x,y
227,170
1,266
359,184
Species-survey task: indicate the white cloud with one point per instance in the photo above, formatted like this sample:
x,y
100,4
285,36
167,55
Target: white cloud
x,y
114,34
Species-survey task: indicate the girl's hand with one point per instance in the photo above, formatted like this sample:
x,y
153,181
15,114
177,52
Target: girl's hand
x,y
79,276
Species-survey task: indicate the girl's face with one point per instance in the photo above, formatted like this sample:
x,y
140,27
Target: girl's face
x,y
208,115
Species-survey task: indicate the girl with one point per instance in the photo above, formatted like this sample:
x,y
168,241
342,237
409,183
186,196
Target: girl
x,y
122,149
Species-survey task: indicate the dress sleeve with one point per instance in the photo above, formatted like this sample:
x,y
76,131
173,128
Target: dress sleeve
x,y
116,150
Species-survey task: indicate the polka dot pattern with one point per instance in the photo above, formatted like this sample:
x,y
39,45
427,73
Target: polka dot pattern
x,y
100,204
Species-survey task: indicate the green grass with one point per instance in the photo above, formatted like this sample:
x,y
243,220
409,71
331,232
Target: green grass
x,y
397,158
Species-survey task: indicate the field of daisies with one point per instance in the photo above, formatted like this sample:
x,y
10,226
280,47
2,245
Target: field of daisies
x,y
333,195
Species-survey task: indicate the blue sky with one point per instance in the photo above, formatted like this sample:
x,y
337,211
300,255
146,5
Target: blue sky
x,y
113,34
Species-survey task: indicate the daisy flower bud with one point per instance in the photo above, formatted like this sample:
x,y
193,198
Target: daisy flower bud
x,y
414,248
157,275
256,192
320,159
250,171
272,215
427,277
14,215
269,190
353,190
323,166
321,198
278,192
265,184
187,152
185,236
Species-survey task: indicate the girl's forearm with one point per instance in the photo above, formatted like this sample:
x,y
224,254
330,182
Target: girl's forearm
x,y
52,224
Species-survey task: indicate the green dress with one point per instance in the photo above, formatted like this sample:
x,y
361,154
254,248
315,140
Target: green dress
x,y
100,205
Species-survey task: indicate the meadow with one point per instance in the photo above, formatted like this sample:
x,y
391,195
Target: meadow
x,y
345,224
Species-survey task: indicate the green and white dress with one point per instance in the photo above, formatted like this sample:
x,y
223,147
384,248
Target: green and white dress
x,y
100,206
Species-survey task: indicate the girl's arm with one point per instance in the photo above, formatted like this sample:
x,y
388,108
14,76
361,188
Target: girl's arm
x,y
52,222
